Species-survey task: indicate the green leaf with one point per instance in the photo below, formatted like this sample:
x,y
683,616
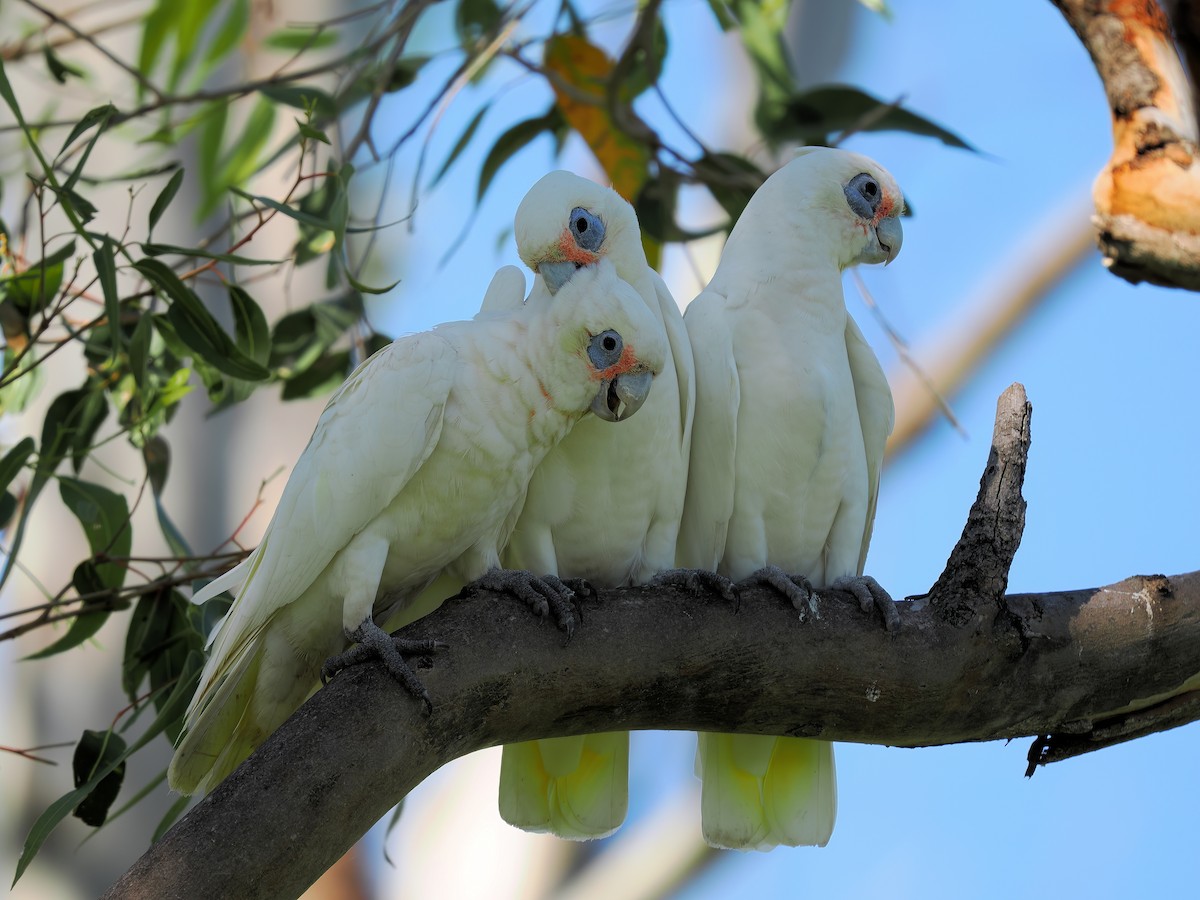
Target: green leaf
x,y
104,516
731,179
313,37
253,335
509,143
289,211
139,350
59,70
82,627
171,710
230,34
242,158
32,290
196,327
198,253
92,118
94,751
302,96
70,424
475,20
105,260
19,393
320,378
312,134
164,198
460,145
14,461
816,114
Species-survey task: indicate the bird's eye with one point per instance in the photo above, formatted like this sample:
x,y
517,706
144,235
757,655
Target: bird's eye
x,y
605,348
587,229
863,195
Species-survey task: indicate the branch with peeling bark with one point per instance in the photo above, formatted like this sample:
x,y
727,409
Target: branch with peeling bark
x,y
1148,196
1078,670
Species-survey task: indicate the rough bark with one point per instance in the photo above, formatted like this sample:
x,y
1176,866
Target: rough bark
x,y
1077,670
1148,196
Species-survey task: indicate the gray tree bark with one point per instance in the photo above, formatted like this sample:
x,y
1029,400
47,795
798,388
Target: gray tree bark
x,y
1076,670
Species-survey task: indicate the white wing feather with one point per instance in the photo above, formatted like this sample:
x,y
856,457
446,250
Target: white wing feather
x,y
356,454
876,415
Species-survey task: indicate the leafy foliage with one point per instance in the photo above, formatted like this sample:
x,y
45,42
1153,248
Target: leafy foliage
x,y
155,320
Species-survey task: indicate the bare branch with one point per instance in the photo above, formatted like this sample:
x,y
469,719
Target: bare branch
x,y
1070,667
1148,197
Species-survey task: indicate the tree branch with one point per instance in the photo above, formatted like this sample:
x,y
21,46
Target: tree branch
x,y
1148,197
1078,669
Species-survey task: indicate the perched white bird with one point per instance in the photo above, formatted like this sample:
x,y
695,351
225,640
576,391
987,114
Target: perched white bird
x,y
792,414
416,469
601,505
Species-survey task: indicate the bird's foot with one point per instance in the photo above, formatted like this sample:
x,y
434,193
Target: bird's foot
x,y
372,642
871,595
796,588
547,595
700,582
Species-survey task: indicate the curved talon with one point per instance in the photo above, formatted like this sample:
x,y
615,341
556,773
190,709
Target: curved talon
x,y
542,595
796,588
871,595
700,582
372,642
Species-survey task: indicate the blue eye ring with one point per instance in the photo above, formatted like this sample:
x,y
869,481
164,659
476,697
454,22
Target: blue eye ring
x,y
587,229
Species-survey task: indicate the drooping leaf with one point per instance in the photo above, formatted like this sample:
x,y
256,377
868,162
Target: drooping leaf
x,y
196,327
817,114
14,461
170,712
510,142
104,515
252,334
460,145
199,253
587,69
33,290
315,37
70,425
93,118
475,19
164,198
82,627
95,751
104,258
59,70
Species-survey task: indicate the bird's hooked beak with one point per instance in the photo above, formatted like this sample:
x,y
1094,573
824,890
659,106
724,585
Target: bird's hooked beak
x,y
556,273
890,235
622,396
624,381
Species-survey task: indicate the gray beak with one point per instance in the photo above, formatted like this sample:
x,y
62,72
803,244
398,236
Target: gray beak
x,y
890,235
556,274
621,397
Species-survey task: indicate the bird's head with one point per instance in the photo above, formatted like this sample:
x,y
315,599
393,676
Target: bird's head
x,y
605,324
858,194
566,222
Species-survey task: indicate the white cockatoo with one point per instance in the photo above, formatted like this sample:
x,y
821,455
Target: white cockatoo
x,y
415,470
600,506
792,414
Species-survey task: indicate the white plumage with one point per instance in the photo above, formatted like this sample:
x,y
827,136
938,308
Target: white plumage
x,y
792,415
414,471
602,506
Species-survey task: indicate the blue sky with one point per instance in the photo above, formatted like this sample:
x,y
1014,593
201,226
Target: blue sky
x,y
1111,371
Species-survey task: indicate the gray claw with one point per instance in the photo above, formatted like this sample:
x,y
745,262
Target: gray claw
x,y
871,595
542,595
697,581
372,642
796,588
